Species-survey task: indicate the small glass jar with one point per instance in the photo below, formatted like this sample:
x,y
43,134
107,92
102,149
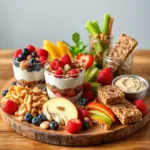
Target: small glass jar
x,y
105,42
124,68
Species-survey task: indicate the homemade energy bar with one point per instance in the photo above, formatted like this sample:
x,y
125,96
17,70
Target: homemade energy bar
x,y
122,50
126,112
110,95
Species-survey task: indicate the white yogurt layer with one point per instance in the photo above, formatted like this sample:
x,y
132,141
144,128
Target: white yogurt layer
x,y
62,83
73,99
23,74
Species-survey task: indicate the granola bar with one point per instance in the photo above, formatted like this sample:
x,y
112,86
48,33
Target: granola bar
x,y
110,95
122,50
126,112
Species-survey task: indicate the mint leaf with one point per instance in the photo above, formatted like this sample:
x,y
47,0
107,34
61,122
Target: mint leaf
x,y
76,37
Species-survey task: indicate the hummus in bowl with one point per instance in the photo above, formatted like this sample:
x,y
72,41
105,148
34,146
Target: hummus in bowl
x,y
134,87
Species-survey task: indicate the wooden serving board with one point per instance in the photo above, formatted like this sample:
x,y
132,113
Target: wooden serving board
x,y
92,136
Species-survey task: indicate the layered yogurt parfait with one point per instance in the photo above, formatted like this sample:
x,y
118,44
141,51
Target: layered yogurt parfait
x,y
28,66
64,78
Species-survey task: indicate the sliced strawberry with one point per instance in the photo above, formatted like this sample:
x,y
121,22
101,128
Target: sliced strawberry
x,y
86,59
65,60
105,76
71,93
55,64
10,107
59,74
141,106
88,95
73,73
31,48
87,86
17,52
43,59
42,52
74,126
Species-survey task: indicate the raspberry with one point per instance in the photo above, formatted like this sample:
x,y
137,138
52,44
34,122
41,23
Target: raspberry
x,y
82,113
88,95
87,86
31,48
43,59
65,60
73,73
16,53
59,74
55,64
42,52
10,107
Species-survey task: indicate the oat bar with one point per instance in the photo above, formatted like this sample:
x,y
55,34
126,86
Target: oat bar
x,y
126,112
122,50
110,95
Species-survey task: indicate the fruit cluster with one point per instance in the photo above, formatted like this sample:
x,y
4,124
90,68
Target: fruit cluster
x,y
29,58
65,68
41,121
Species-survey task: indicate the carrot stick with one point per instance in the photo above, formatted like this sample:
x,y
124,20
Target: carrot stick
x,y
110,26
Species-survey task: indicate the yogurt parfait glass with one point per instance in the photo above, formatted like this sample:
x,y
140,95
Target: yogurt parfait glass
x,y
69,84
29,71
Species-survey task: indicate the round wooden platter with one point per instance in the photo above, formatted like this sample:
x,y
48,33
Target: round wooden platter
x,y
93,136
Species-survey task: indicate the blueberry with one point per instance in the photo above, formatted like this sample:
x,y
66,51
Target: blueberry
x,y
34,54
83,101
37,67
36,121
42,117
30,68
25,52
28,117
4,92
14,83
32,61
85,125
54,125
17,62
99,66
21,57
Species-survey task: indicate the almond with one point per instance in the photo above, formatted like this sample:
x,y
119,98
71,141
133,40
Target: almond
x,y
44,125
24,64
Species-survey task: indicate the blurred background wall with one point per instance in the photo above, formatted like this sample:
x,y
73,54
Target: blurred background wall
x,y
25,22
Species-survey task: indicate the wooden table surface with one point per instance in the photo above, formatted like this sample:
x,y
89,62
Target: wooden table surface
x,y
9,140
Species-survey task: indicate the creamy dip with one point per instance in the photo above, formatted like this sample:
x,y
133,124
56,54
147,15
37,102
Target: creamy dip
x,y
130,84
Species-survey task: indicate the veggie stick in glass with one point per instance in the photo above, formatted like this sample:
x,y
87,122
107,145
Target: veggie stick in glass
x,y
95,23
106,19
110,26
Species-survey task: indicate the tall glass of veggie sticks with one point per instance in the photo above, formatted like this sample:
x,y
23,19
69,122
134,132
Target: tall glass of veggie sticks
x,y
100,40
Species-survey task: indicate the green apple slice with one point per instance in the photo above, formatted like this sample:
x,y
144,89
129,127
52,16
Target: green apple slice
x,y
101,116
91,74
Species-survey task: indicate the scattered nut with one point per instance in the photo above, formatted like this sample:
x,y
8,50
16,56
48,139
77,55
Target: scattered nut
x,y
24,64
44,125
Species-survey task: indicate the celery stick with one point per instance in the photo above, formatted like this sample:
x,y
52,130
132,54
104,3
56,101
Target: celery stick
x,y
106,19
91,28
98,47
87,28
90,69
95,23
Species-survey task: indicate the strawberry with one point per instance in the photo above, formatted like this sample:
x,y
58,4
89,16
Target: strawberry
x,y
43,59
10,107
55,64
141,106
86,59
58,73
31,48
82,113
74,126
17,52
87,86
73,73
65,60
105,76
88,95
71,93
42,52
